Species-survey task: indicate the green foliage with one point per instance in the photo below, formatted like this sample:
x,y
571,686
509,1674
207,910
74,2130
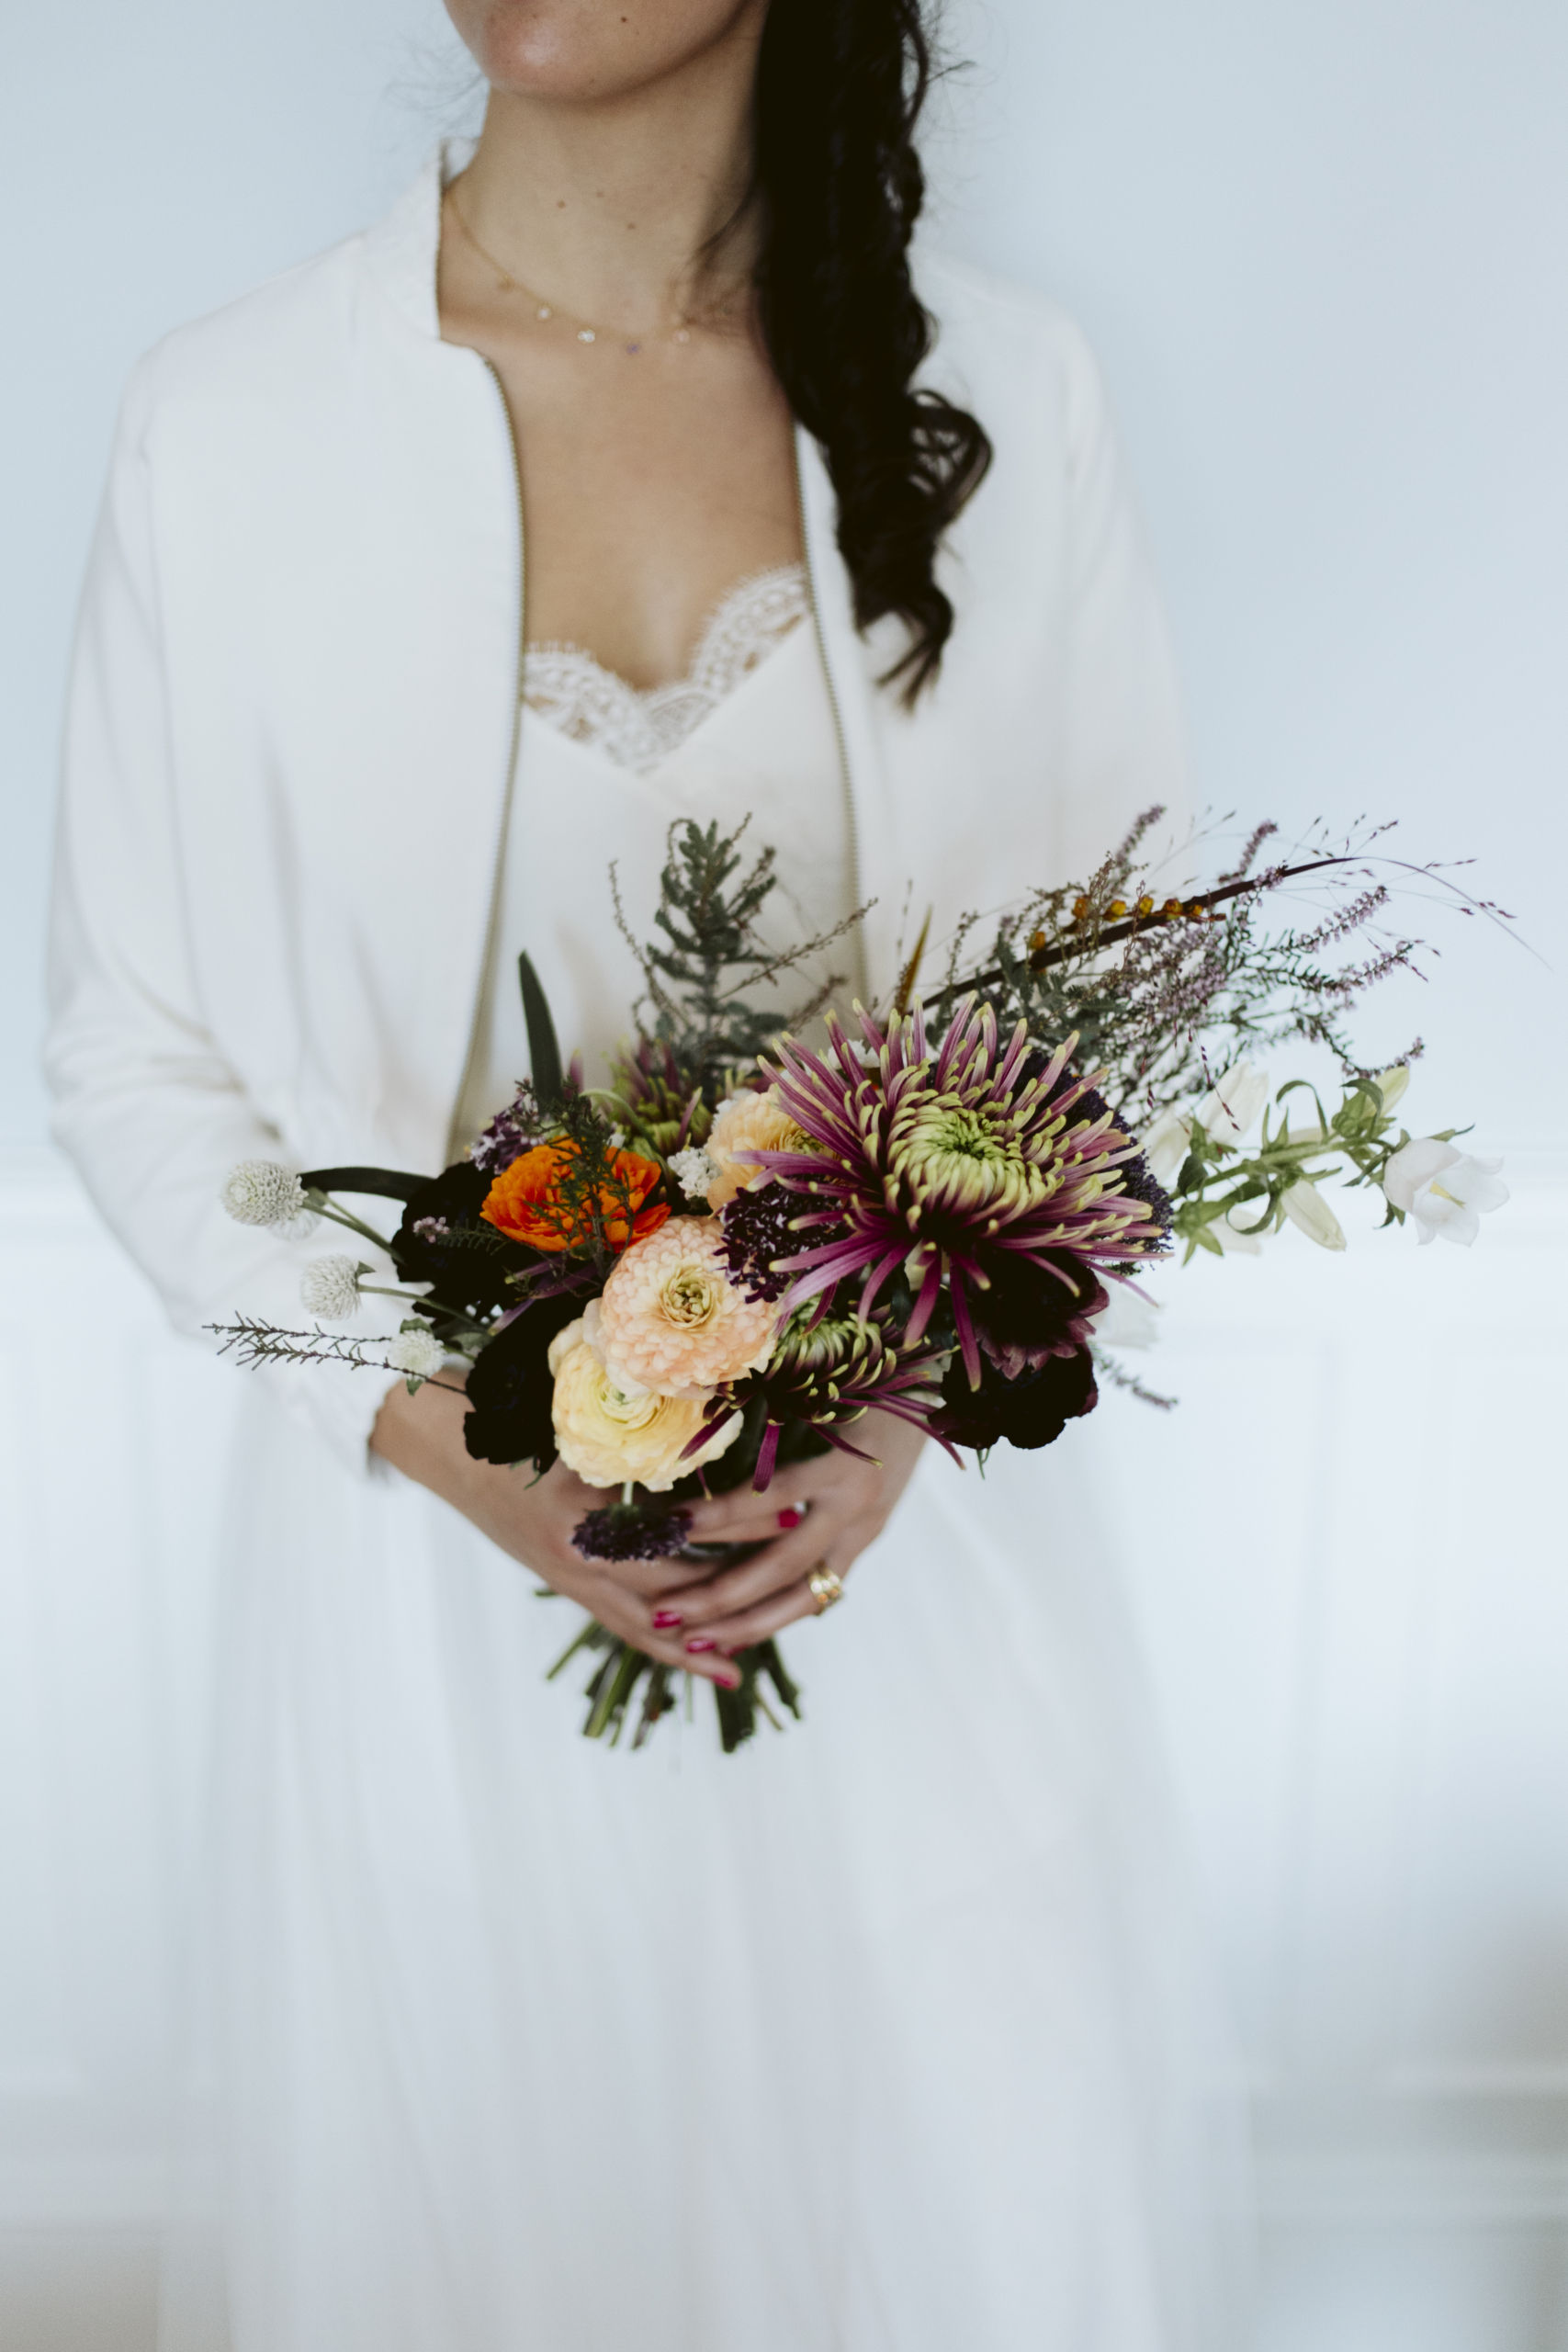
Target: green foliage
x,y
709,953
1217,1179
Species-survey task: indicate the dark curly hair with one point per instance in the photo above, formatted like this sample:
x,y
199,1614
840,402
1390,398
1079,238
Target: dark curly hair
x,y
839,187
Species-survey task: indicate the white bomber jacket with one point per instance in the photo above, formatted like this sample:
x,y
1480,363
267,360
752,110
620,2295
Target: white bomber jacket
x,y
292,723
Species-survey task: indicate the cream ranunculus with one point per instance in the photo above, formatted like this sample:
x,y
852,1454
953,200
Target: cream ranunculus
x,y
1234,1102
747,1122
1446,1191
608,1437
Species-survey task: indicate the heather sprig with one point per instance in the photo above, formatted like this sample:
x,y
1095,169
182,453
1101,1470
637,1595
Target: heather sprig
x,y
1157,987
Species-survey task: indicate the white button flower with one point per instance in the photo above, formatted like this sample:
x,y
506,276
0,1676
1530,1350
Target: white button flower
x,y
260,1192
1446,1190
416,1351
330,1286
1234,1102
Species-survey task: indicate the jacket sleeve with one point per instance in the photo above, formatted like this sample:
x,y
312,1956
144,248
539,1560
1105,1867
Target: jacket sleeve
x,y
147,1107
1124,739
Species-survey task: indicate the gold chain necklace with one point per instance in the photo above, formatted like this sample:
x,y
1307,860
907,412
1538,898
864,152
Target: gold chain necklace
x,y
545,311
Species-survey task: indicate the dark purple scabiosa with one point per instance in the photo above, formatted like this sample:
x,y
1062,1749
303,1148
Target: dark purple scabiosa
x,y
961,1164
830,1371
627,1531
760,1229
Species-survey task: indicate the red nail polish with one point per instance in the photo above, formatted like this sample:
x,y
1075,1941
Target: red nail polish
x,y
791,1514
663,1619
700,1641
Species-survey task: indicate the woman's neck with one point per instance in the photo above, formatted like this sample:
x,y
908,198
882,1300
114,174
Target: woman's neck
x,y
610,210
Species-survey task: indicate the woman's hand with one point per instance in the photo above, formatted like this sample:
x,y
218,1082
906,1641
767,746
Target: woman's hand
x,y
532,1519
818,1514
821,1513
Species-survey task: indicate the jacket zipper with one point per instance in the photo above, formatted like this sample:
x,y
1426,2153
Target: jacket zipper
x,y
498,862
846,780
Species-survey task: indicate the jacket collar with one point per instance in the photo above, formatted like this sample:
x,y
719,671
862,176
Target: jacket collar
x,y
404,247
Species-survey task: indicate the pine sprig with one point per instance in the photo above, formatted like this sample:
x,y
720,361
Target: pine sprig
x,y
696,977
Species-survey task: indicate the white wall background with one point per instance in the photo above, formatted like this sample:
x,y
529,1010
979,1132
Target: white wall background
x,y
1318,246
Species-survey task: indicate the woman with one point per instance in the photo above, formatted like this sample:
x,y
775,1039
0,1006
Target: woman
x,y
877,2036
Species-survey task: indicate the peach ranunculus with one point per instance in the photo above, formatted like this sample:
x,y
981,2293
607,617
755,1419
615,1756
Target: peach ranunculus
x,y
608,1437
748,1122
532,1201
672,1320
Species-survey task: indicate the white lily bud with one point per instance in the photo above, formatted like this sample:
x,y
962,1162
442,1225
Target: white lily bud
x,y
1233,1103
1305,1206
1391,1083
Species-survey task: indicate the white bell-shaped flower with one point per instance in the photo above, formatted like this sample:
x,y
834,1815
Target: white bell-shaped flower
x,y
1446,1191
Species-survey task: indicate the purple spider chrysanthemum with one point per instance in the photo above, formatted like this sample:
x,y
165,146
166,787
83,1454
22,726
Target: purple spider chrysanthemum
x,y
953,1161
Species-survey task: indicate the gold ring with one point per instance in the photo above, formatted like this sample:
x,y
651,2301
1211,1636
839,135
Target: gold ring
x,y
824,1587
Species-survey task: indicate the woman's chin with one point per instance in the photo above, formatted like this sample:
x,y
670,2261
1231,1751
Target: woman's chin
x,y
578,53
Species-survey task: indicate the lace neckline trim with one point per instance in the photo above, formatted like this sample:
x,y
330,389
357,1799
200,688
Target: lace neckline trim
x,y
639,727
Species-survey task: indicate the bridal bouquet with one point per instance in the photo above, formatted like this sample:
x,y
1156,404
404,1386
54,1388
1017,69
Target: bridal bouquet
x,y
728,1256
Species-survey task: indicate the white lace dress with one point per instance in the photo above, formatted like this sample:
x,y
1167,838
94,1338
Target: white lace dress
x,y
880,2036
604,771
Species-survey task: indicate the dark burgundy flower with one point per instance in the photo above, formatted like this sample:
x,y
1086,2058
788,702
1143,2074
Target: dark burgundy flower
x,y
1033,1308
510,1386
467,1275
1029,1411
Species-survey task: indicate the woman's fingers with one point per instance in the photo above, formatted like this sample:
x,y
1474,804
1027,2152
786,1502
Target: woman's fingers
x,y
623,1614
782,1563
748,1518
770,1616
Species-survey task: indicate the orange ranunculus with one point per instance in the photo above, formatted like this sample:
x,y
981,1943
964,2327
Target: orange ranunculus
x,y
527,1200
